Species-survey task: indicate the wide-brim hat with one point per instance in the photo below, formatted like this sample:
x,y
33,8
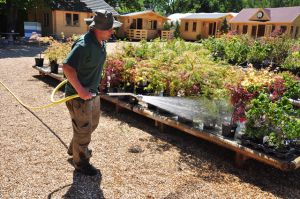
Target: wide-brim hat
x,y
103,20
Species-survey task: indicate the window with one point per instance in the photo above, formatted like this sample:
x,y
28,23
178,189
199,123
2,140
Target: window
x,y
292,30
154,25
245,29
68,19
261,30
186,27
237,29
273,28
194,26
283,29
296,32
46,19
253,33
75,19
72,19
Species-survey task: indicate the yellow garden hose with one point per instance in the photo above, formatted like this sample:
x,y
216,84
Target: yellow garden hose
x,y
52,97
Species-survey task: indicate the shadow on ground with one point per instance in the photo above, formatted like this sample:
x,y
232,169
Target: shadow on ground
x,y
82,187
16,51
49,81
211,162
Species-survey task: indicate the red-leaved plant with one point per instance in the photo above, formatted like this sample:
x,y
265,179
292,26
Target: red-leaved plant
x,y
112,73
239,97
276,89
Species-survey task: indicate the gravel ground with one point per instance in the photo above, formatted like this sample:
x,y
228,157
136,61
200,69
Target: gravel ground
x,y
135,160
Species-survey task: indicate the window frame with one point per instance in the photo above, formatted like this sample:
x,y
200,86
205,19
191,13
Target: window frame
x,y
194,27
73,24
72,19
245,29
283,29
186,26
66,21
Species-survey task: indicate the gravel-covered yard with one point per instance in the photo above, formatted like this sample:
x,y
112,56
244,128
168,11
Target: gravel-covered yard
x,y
135,159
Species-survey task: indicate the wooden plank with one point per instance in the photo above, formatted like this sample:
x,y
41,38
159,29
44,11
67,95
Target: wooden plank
x,y
242,152
46,71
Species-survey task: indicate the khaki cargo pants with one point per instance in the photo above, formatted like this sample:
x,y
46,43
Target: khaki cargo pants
x,y
85,116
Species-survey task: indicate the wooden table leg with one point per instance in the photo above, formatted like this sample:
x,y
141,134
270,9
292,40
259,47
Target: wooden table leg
x,y
159,125
240,160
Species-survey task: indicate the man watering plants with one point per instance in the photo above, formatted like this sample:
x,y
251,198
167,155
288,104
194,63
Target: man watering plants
x,y
83,67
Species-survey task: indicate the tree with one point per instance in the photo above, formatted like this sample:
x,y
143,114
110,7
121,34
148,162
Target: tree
x,y
224,26
177,31
11,7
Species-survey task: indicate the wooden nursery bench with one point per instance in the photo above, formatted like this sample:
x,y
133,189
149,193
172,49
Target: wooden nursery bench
x,y
242,152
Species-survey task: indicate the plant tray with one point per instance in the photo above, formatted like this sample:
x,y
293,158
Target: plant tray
x,y
46,71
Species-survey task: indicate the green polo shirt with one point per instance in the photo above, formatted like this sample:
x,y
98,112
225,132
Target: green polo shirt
x,y
87,57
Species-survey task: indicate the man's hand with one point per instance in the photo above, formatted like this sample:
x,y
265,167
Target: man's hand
x,y
84,94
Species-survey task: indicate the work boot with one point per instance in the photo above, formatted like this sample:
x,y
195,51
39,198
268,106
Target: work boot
x,y
86,168
70,152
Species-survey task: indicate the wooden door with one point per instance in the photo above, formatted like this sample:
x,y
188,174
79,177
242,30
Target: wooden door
x,y
139,23
261,30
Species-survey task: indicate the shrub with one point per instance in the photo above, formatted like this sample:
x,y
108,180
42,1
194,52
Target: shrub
x,y
258,52
292,62
236,49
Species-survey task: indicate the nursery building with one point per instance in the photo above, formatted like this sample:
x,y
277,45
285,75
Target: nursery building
x,y
67,17
262,22
202,25
141,25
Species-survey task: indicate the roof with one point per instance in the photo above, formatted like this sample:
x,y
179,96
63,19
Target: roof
x,y
214,15
99,4
142,13
178,16
283,14
82,5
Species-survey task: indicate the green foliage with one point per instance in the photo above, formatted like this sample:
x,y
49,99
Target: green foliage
x,y
292,62
236,49
281,48
224,26
167,26
216,46
177,67
292,85
259,51
277,119
177,30
57,51
279,51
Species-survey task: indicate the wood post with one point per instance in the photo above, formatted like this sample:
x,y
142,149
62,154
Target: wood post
x,y
159,125
240,160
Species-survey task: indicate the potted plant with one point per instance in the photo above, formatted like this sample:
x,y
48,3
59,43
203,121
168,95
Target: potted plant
x,y
39,61
56,52
52,54
228,124
211,115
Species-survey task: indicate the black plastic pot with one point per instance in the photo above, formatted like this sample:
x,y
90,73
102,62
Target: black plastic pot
x,y
54,67
285,153
209,126
39,62
228,130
